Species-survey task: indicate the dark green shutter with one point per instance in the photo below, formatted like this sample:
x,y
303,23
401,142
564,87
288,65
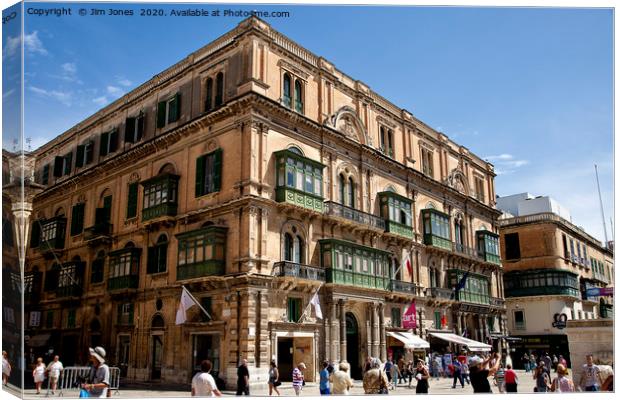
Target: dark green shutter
x,y
130,129
113,140
151,260
140,127
107,206
103,143
35,235
130,318
88,149
77,219
217,170
68,163
161,114
132,200
46,174
200,175
119,313
175,108
58,163
79,156
209,99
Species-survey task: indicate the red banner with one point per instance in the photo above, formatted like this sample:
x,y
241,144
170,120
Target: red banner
x,y
409,317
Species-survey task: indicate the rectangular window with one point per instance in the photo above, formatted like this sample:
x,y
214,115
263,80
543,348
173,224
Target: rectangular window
x,y
108,142
427,162
565,245
396,317
437,319
132,200
479,188
157,256
519,319
49,319
58,166
67,163
209,173
96,273
134,128
84,154
45,176
294,309
77,219
513,250
168,111
71,318
205,302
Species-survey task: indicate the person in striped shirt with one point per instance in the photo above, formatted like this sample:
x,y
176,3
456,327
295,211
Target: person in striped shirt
x,y
298,378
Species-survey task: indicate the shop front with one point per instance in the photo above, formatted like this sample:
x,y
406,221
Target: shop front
x,y
407,345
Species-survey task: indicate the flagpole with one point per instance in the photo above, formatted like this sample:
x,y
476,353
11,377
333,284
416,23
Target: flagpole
x,y
309,303
197,302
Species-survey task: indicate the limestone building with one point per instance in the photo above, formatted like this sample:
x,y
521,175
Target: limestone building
x,y
549,265
255,173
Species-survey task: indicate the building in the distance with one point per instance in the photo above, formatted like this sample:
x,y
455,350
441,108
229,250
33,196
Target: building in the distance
x,y
549,265
255,173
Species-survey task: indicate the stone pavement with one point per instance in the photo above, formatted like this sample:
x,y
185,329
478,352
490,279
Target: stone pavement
x,y
437,386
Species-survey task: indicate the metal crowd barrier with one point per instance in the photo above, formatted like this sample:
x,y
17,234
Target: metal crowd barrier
x,y
70,377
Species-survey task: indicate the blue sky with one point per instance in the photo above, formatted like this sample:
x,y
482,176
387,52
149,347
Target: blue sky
x,y
530,90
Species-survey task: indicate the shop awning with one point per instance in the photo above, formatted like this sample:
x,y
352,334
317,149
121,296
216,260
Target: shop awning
x,y
410,340
39,340
472,345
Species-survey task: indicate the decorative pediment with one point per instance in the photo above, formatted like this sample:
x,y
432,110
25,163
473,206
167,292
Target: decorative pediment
x,y
458,181
346,121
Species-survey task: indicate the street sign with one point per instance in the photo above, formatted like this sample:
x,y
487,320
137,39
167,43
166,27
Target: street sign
x,y
596,291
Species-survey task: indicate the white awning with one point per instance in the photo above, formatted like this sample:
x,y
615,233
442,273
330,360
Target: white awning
x,y
410,340
472,345
39,340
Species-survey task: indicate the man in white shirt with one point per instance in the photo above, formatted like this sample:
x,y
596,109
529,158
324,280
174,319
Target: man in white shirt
x,y
203,384
54,369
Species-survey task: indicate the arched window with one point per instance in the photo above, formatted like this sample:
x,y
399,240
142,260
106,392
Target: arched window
x,y
209,98
158,322
157,256
351,193
96,272
219,89
286,90
294,247
342,189
299,103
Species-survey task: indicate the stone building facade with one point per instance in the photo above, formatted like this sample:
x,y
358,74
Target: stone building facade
x,y
255,173
549,265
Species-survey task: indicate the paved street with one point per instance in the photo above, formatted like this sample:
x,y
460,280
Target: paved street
x,y
439,386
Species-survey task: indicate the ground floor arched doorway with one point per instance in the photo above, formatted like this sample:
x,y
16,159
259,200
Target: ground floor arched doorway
x,y
353,348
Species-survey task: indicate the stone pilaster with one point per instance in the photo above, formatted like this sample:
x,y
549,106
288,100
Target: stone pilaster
x,y
368,329
343,331
335,332
459,325
375,330
382,333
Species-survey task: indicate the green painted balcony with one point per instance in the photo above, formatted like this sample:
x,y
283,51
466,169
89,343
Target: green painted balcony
x,y
437,241
69,291
197,270
405,287
299,198
123,282
343,277
161,210
399,229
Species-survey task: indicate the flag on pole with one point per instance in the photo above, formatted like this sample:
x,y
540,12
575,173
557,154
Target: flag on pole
x,y
409,317
187,301
317,306
462,282
407,262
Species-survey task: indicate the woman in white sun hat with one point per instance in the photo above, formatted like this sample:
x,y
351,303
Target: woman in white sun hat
x,y
99,374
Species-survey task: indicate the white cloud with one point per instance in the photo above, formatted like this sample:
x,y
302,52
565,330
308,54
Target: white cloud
x,y
505,163
11,46
115,91
69,68
101,101
124,82
63,97
33,44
